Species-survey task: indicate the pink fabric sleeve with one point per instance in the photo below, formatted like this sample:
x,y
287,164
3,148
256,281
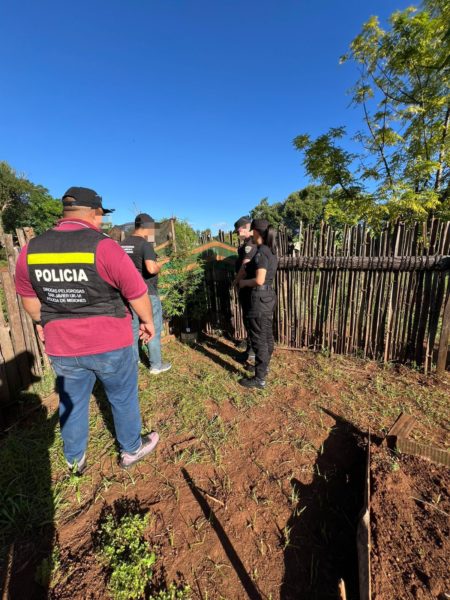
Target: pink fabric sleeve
x,y
116,267
23,283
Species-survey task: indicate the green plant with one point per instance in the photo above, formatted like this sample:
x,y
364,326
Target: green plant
x,y
47,570
182,285
172,593
127,555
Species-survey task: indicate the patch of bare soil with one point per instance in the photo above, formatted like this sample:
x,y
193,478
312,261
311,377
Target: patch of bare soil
x,y
410,528
271,511
272,520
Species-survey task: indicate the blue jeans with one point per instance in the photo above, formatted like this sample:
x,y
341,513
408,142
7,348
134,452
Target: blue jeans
x,y
117,370
154,345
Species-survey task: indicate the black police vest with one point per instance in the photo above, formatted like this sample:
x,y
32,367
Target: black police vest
x,y
63,273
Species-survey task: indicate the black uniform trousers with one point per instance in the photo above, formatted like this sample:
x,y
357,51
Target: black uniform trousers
x,y
244,300
260,321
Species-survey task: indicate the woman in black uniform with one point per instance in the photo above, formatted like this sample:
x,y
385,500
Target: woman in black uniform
x,y
260,274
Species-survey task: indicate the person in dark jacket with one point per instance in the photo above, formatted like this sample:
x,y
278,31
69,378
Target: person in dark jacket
x,y
246,251
140,248
259,277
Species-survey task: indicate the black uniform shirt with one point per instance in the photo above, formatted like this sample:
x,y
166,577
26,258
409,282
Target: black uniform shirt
x,y
263,259
246,250
139,250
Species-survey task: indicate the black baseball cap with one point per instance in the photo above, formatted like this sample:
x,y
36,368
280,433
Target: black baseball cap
x,y
260,225
84,197
242,222
144,221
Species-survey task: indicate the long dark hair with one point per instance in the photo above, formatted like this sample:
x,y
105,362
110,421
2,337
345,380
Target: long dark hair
x,y
269,237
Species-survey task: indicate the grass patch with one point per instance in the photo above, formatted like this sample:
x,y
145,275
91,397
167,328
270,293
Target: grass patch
x,y
199,398
122,547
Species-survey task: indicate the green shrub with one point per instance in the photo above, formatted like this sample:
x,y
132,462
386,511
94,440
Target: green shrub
x,y
173,593
127,555
129,559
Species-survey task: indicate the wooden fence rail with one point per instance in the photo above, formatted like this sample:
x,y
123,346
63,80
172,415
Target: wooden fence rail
x,y
384,296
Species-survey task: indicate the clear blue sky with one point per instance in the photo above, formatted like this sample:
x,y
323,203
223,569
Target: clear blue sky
x,y
184,107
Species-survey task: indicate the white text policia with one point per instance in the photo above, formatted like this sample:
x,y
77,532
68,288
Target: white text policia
x,y
59,275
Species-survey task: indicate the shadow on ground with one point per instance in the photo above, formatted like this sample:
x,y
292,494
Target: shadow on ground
x,y
320,536
236,562
27,530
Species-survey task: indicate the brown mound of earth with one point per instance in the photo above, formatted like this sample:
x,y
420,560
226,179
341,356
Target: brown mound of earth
x,y
410,527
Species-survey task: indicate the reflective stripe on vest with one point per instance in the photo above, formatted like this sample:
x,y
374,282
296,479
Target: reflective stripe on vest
x,y
61,258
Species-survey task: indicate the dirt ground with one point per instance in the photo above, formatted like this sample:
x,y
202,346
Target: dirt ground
x,y
250,495
410,528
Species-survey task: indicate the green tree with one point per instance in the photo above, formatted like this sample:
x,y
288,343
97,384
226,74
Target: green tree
x,y
25,204
402,169
271,212
185,235
306,205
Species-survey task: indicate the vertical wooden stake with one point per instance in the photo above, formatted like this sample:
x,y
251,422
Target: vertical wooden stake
x,y
174,239
445,337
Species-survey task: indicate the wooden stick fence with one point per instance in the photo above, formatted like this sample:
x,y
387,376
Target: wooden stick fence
x,y
22,356
383,296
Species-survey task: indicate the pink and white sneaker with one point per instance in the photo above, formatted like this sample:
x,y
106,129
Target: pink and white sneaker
x,y
148,444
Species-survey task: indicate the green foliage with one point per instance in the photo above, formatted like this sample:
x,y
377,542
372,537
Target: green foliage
x,y
271,212
172,593
129,559
402,169
127,555
182,289
25,204
186,238
306,205
325,161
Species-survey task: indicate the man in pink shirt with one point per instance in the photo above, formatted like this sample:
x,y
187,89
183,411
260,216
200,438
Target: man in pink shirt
x,y
78,284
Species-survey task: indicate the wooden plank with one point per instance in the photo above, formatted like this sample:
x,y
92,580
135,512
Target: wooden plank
x,y
10,366
5,393
445,335
401,428
213,244
10,252
29,233
174,237
413,448
15,324
363,538
30,339
356,263
21,237
162,246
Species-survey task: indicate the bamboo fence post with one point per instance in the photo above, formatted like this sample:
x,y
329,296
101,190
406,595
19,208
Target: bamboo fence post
x,y
174,237
445,335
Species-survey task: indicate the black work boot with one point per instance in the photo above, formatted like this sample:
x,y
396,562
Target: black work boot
x,y
253,382
252,370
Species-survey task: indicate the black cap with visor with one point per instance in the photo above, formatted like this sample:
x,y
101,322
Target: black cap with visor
x,y
84,198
